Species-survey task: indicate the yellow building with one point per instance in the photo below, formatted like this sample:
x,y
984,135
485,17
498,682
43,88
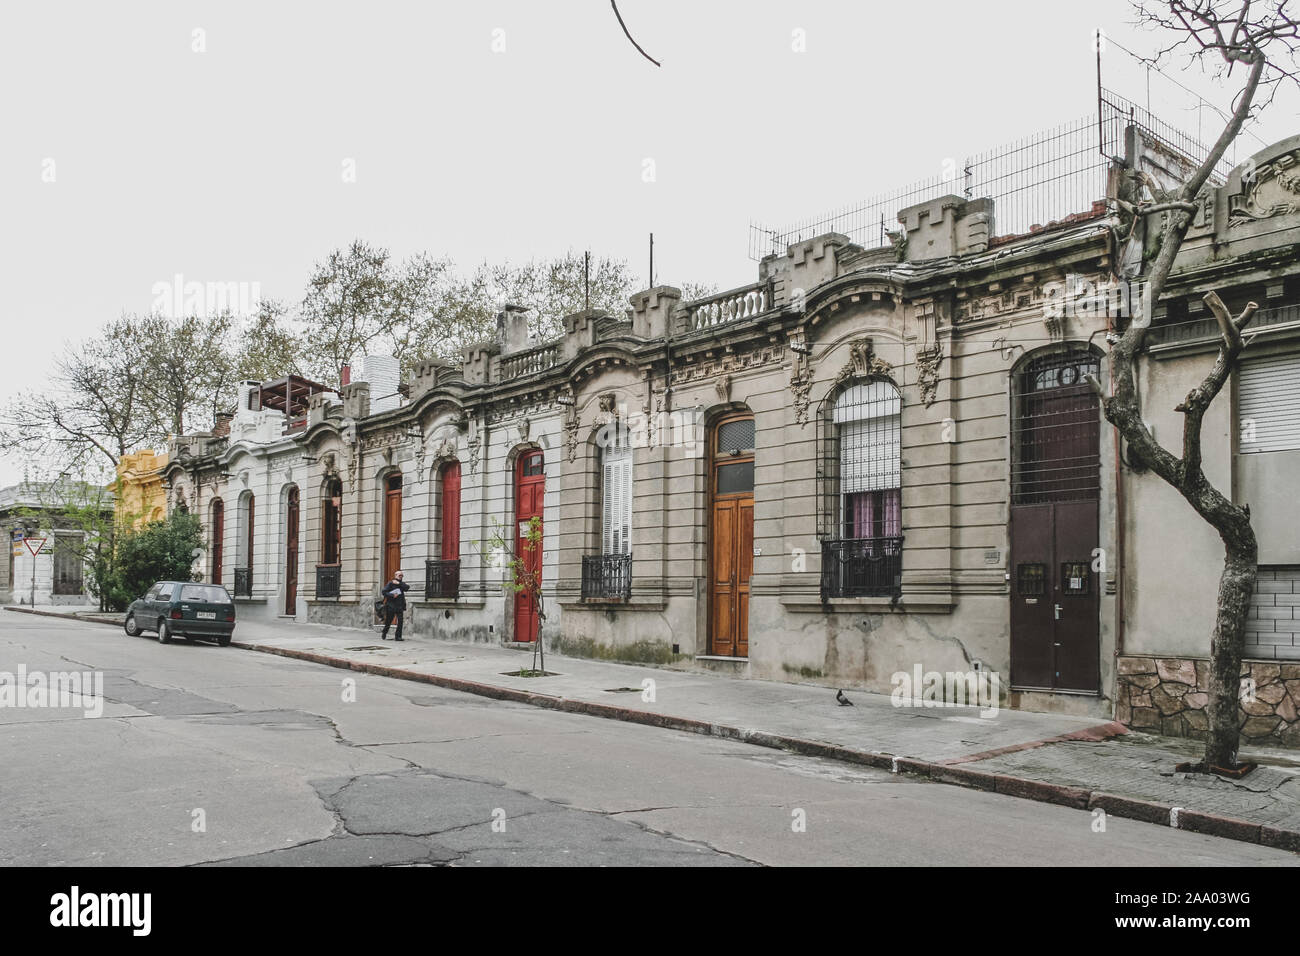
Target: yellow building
x,y
140,494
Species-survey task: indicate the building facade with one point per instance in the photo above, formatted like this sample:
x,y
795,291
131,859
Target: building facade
x,y
871,460
140,496
53,531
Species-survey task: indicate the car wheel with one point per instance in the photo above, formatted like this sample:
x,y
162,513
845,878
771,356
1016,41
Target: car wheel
x,y
131,627
164,633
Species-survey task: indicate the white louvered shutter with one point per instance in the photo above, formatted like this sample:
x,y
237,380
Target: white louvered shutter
x,y
1268,393
616,519
871,439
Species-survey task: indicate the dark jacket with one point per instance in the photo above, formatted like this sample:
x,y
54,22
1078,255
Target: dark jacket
x,y
396,593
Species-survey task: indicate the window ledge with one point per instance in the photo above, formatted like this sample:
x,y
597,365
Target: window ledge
x,y
914,604
462,601
608,604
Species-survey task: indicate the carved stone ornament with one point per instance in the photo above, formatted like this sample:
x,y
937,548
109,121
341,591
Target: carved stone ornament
x,y
863,362
607,403
446,449
723,386
800,388
927,372
474,444
330,465
1273,189
522,428
571,427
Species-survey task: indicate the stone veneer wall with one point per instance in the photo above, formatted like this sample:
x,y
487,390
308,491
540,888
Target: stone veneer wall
x,y
1166,695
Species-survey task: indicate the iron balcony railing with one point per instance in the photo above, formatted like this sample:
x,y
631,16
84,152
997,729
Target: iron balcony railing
x,y
328,577
607,576
862,567
442,578
243,582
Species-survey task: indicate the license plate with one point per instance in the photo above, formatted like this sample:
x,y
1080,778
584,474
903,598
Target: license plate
x,y
207,615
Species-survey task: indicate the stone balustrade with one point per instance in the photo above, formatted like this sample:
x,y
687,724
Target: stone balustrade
x,y
528,363
729,307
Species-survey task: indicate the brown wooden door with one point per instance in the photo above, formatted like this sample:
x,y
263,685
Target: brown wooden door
x,y
530,489
731,531
218,538
291,554
392,527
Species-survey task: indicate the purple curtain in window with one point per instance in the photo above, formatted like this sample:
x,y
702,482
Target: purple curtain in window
x,y
874,514
864,514
892,512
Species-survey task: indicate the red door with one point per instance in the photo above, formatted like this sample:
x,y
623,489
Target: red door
x,y
451,512
530,486
291,555
218,537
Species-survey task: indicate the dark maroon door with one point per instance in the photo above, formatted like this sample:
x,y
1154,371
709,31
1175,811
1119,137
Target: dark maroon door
x,y
291,555
1055,632
1033,654
1054,600
218,538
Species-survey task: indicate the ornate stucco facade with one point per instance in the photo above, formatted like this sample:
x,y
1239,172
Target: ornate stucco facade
x,y
841,567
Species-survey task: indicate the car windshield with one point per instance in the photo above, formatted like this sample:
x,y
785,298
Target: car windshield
x,y
205,594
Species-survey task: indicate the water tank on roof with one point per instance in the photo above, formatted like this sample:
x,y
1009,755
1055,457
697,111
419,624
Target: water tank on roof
x,y
383,374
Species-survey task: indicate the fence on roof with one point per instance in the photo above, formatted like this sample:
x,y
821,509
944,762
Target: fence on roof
x,y
1033,181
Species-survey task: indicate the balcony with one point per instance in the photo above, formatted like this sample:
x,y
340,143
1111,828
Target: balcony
x,y
862,567
606,577
441,579
243,582
328,577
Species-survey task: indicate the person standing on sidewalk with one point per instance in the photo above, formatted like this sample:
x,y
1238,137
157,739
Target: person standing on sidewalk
x,y
395,604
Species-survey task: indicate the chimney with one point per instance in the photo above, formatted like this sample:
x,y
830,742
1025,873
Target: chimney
x,y
345,376
222,428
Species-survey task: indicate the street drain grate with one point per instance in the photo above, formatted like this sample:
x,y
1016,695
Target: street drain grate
x,y
525,672
369,647
623,690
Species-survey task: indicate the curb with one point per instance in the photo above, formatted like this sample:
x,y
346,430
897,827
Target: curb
x,y
1077,798
92,619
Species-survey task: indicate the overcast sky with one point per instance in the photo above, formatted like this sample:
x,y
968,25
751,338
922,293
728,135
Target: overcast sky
x,y
492,130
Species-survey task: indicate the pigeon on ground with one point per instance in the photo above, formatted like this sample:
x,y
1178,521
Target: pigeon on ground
x,y
844,701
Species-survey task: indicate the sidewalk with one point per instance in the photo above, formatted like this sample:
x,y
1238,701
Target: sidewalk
x,y
1072,761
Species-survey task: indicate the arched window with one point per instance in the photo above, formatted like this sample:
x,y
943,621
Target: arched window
x,y
244,568
867,418
607,575
1055,456
616,494
861,478
331,552
442,574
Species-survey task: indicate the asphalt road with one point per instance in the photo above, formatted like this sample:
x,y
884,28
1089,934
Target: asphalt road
x,y
218,755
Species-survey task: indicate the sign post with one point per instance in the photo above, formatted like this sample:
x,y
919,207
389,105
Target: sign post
x,y
34,545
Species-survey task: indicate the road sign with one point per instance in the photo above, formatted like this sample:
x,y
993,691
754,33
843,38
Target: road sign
x,y
34,545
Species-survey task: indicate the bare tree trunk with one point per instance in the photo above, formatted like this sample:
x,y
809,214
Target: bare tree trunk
x,y
1236,585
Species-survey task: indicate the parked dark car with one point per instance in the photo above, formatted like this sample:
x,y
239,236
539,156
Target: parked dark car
x,y
183,609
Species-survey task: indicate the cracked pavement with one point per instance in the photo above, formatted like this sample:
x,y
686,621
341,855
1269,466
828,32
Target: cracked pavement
x,y
212,756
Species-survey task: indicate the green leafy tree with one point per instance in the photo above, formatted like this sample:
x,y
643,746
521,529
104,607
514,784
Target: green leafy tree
x,y
158,551
270,345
